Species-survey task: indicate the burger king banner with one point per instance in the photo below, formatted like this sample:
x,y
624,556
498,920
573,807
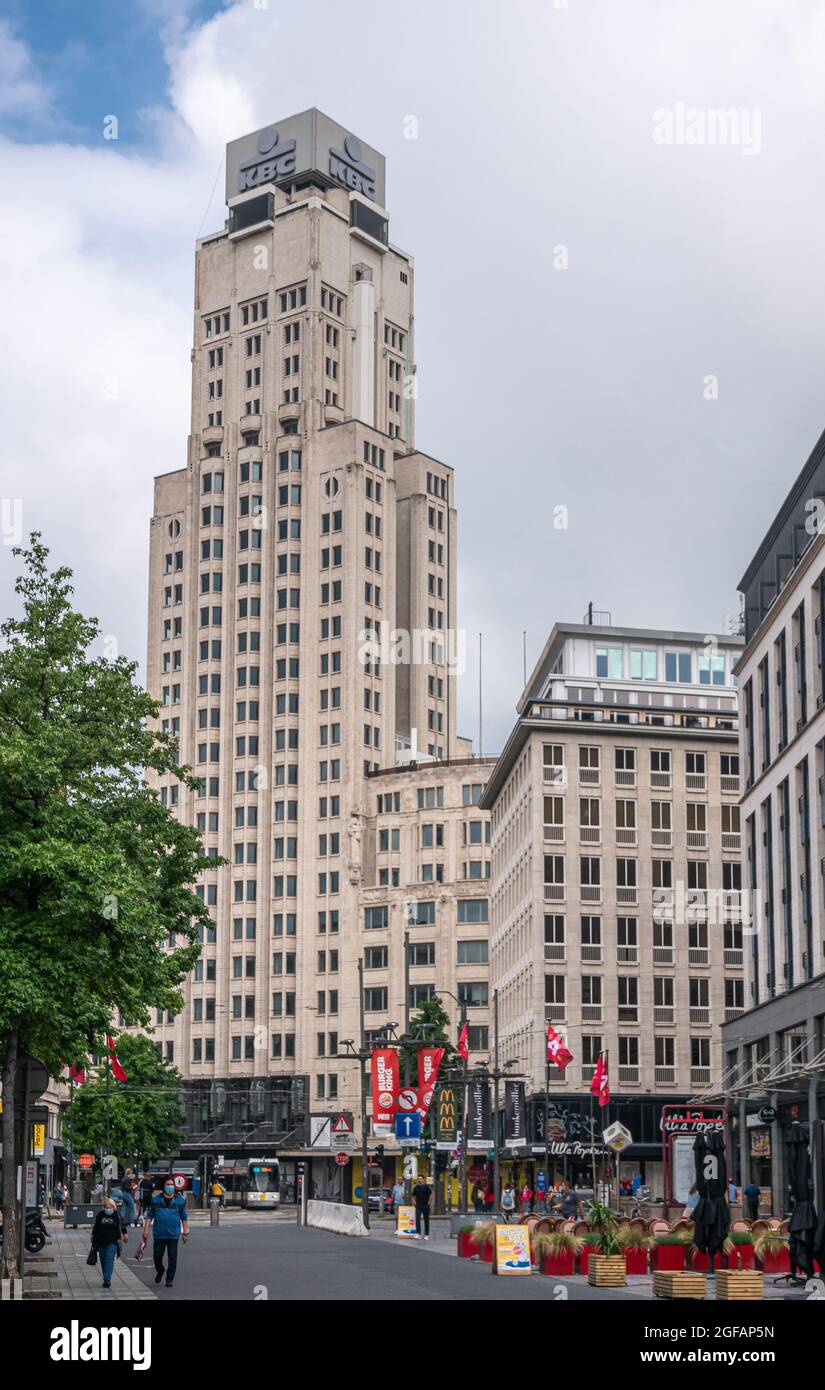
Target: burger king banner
x,y
385,1084
429,1060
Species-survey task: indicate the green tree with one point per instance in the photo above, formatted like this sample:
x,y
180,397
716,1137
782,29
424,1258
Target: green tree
x,y
145,1113
97,912
430,1027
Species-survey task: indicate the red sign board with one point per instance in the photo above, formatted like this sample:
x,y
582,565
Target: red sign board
x,y
384,1066
341,1159
85,1161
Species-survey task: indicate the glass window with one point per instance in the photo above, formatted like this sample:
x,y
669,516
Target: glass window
x,y
609,662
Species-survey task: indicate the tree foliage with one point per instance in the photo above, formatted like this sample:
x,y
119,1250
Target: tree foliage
x,y
95,873
145,1112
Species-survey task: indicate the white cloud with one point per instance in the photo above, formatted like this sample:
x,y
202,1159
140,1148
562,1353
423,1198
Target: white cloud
x,y
585,385
22,93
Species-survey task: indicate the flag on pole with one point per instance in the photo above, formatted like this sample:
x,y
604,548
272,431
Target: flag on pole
x,y
78,1075
600,1084
117,1070
557,1049
463,1043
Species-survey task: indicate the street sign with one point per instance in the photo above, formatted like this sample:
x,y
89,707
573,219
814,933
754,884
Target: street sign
x,y
180,1180
341,1159
319,1131
341,1132
407,1100
408,1128
410,1166
109,1168
767,1114
38,1079
85,1161
38,1139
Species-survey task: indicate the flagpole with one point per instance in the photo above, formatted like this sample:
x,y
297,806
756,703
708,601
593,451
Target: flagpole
x,y
108,1114
593,1135
546,1131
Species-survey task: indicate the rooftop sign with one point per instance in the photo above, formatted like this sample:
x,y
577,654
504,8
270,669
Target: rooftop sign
x,y
303,144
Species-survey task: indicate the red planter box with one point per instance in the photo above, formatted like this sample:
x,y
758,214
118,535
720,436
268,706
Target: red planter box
x,y
668,1256
487,1252
563,1264
742,1257
700,1263
466,1249
777,1264
635,1260
584,1255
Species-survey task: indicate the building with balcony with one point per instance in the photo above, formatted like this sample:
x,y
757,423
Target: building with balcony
x,y
617,905
774,1054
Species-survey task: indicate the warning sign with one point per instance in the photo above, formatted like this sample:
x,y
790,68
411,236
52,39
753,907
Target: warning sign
x,y
341,1133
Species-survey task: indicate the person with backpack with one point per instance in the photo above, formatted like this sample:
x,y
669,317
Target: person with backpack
x,y
508,1202
169,1219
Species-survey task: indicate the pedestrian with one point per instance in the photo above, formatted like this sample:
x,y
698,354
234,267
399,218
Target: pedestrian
x,y
567,1202
751,1195
146,1191
58,1196
526,1199
398,1194
421,1196
169,1219
106,1239
217,1191
489,1199
508,1202
479,1198
122,1194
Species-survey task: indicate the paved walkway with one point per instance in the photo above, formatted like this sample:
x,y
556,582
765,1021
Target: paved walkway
x,y
61,1271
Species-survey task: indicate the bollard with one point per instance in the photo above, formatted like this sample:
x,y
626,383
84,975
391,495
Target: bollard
x,y
214,1212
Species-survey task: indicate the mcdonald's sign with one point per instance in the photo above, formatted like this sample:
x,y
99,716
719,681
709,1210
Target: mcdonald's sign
x,y
447,1119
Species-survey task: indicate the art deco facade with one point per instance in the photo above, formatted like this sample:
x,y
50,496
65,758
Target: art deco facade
x,y
304,533
774,1066
616,867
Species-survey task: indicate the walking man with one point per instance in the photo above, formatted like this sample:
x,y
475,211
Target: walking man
x,y
421,1196
168,1215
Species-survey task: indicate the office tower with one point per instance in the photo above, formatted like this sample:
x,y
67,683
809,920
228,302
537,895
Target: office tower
x,y
301,621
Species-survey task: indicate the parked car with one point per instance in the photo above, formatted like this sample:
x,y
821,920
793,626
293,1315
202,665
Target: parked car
x,y
374,1202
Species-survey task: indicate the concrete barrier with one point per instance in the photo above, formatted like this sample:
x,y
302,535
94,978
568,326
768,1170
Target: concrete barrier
x,y
334,1216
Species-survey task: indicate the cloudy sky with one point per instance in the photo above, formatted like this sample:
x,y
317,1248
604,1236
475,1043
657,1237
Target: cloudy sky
x,y
617,314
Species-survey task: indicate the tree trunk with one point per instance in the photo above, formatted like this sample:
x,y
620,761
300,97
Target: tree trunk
x,y
8,1264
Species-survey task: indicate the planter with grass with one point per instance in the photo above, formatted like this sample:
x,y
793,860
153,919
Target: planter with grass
x,y
466,1248
668,1252
605,1268
635,1246
556,1252
483,1238
772,1253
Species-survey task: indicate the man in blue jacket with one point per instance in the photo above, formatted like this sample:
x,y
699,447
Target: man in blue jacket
x,y
167,1214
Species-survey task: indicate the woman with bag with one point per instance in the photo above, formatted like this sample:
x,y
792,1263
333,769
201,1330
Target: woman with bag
x,y
106,1237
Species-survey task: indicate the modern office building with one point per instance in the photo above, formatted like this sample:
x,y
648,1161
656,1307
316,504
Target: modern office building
x,y
302,629
616,871
774,1063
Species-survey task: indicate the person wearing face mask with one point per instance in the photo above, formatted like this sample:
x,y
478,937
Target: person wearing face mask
x,y
169,1219
106,1238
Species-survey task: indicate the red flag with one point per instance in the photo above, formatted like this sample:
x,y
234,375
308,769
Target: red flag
x,y
384,1072
557,1050
600,1084
78,1075
463,1043
117,1070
